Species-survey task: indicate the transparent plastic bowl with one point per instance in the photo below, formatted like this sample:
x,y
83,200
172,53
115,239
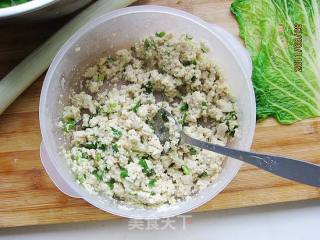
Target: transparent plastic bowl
x,y
120,29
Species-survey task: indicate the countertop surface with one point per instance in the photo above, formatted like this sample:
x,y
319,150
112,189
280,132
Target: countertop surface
x,y
294,221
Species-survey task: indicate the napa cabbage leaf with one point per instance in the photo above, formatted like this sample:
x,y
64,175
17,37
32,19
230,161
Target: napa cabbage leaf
x,y
283,38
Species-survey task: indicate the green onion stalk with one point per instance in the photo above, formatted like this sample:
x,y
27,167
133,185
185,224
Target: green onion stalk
x,y
27,71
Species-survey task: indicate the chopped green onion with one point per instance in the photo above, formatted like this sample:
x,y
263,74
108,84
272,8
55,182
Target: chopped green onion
x,y
160,34
203,174
98,156
116,133
164,116
85,155
102,146
111,107
115,148
231,132
231,116
123,173
98,174
91,145
184,107
148,43
110,183
143,164
152,182
136,106
98,77
110,60
70,125
188,63
80,178
193,151
204,104
152,193
148,88
204,50
185,170
183,120
151,172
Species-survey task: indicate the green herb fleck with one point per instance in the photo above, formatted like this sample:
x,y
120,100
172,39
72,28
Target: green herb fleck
x,y
116,133
123,173
184,107
231,116
164,116
110,183
98,77
136,106
151,172
203,174
185,170
85,155
204,50
148,43
70,125
110,60
95,145
115,148
188,63
160,34
111,107
98,156
152,182
183,120
102,146
143,164
152,193
91,145
231,131
81,178
98,174
193,151
148,88
145,167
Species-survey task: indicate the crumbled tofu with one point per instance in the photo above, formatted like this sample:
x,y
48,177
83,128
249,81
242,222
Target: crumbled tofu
x,y
114,151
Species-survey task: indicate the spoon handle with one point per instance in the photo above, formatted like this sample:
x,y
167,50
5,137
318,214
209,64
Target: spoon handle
x,y
296,170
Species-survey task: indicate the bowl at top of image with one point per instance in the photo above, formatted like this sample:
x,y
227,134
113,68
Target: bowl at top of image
x,y
40,9
117,30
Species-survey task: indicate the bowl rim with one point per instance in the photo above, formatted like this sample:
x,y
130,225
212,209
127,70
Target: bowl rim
x,y
91,25
25,8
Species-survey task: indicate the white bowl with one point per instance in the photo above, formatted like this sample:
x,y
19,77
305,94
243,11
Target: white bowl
x,y
42,9
119,29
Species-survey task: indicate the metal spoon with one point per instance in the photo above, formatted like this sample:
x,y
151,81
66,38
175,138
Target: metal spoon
x,y
296,170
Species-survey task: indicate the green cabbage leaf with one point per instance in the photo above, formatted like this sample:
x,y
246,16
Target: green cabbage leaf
x,y
283,38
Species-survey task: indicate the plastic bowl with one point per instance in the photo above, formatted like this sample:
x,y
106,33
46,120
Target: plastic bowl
x,y
118,30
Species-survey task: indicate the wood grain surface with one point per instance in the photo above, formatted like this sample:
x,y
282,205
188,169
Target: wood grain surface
x,y
27,195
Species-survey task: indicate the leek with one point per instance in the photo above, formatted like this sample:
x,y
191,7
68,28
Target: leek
x,y
26,72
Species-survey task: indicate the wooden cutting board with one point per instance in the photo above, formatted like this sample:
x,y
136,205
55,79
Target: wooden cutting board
x,y
28,197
